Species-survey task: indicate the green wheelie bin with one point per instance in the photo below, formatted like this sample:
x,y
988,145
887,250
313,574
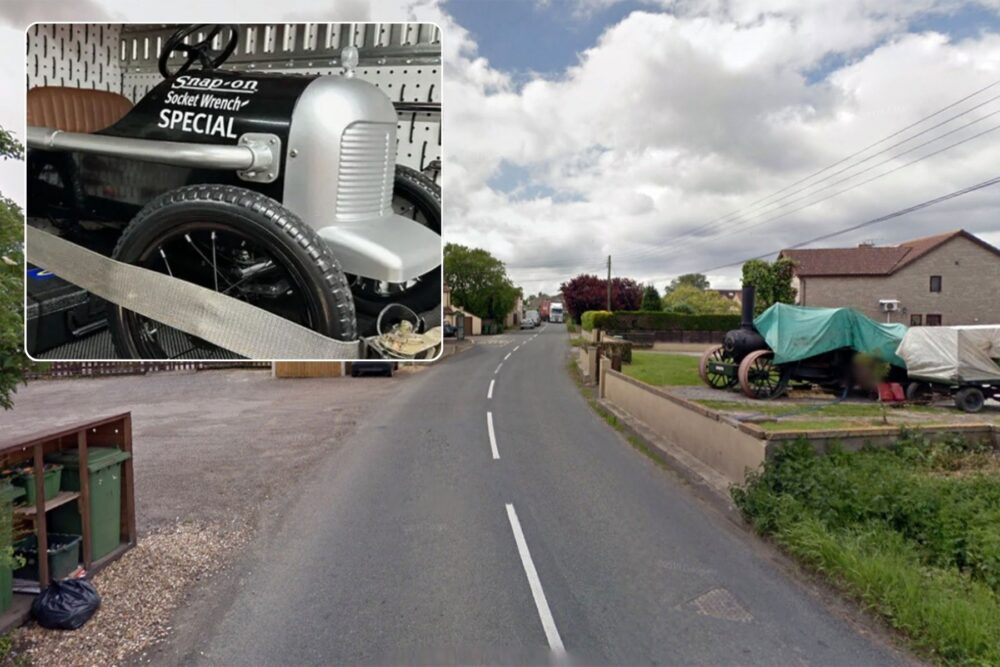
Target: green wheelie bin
x,y
8,494
104,465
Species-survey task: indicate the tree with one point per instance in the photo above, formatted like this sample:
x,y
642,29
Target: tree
x,y
479,282
772,282
689,300
651,298
13,362
588,292
697,280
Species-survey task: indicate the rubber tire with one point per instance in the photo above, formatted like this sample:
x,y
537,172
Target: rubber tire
x,y
427,194
269,221
918,391
970,399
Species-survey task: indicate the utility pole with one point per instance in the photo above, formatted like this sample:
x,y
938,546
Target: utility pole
x,y
609,283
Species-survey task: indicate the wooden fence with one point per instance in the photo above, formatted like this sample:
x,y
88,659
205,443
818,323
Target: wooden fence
x,y
66,369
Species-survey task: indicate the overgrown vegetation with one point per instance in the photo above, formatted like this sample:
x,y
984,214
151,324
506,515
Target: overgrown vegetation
x,y
479,282
913,532
658,368
588,292
595,319
689,300
13,362
772,282
660,321
650,298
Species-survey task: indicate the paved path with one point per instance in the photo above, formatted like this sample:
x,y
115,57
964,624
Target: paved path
x,y
485,514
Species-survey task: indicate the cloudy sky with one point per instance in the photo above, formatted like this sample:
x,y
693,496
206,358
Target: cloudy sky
x,y
674,135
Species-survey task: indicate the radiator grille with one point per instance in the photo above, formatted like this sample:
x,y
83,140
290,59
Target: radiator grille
x,y
367,164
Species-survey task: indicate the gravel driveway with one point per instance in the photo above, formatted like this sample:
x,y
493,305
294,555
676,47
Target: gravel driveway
x,y
215,453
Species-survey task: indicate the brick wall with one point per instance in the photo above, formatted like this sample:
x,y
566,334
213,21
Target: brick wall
x,y
970,287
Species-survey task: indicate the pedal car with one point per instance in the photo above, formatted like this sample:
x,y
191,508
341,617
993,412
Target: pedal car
x,y
962,362
278,190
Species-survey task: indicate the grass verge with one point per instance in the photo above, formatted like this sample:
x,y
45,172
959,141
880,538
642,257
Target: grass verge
x,y
661,369
912,532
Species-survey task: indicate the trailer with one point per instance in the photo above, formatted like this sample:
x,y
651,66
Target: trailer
x,y
962,362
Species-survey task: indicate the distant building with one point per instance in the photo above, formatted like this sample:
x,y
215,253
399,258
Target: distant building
x,y
947,279
731,294
472,325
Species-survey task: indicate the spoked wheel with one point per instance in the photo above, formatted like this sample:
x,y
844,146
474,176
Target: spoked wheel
x,y
418,198
760,377
713,378
238,243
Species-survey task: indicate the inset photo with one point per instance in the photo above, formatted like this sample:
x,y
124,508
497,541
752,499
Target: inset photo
x,y
224,191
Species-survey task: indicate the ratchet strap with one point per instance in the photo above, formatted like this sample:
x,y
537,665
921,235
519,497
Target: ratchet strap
x,y
219,319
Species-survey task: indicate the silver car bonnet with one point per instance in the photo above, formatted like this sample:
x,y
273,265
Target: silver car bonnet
x,y
339,177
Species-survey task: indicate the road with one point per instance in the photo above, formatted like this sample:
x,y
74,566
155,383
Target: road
x,y
486,514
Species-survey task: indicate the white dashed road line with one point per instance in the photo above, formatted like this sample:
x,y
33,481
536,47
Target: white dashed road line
x,y
493,437
499,366
507,356
489,394
548,623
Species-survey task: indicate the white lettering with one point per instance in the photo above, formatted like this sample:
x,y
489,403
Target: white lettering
x,y
197,122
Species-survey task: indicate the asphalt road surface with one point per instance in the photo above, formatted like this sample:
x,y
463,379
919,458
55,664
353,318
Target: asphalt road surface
x,y
485,514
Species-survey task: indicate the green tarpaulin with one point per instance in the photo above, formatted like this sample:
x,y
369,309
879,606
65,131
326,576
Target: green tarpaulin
x,y
797,332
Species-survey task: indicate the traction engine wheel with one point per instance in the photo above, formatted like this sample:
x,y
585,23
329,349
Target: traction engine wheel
x,y
712,378
760,378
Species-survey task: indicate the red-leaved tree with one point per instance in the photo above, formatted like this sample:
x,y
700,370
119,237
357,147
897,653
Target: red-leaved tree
x,y
588,292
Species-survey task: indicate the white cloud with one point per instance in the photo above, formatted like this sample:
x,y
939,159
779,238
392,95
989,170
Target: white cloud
x,y
677,115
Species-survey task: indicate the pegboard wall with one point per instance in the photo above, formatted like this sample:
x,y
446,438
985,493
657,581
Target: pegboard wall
x,y
82,55
403,59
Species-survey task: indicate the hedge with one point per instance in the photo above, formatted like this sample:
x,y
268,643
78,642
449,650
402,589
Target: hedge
x,y
637,320
595,319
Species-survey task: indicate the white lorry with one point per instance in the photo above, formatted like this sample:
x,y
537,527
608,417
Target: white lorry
x,y
556,312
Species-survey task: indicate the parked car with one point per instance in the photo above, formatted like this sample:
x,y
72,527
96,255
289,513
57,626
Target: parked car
x,y
527,323
450,330
535,318
386,368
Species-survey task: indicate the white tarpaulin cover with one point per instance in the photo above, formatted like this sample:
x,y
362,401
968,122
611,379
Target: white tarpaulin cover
x,y
952,354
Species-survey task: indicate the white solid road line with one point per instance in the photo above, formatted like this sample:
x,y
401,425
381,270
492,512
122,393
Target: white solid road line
x,y
493,437
548,623
489,394
499,366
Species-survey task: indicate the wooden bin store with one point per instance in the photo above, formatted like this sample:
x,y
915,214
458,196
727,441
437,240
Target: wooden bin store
x,y
95,500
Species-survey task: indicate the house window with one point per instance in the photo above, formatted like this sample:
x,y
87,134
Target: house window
x,y
916,320
933,320
935,284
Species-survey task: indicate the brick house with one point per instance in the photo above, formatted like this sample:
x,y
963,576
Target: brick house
x,y
948,279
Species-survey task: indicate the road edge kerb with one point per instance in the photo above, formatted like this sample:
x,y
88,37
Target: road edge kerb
x,y
706,490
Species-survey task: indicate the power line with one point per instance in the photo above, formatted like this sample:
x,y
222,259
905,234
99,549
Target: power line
x,y
867,223
648,251
886,150
746,211
870,146
851,187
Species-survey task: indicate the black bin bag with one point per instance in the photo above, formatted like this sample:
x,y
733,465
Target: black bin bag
x,y
66,605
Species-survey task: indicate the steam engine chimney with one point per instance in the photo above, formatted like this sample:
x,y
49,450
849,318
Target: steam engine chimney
x,y
748,304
